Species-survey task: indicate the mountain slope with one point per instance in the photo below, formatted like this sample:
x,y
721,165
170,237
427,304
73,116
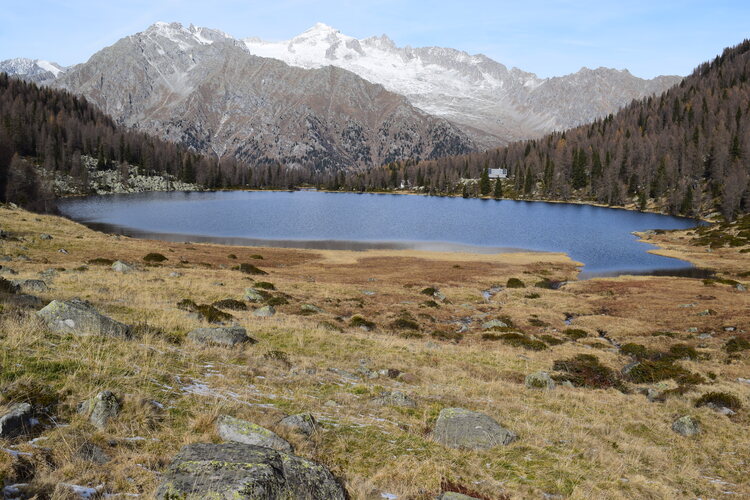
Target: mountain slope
x,y
32,70
492,103
686,151
203,88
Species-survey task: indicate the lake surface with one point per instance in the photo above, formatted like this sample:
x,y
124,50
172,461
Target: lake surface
x,y
599,237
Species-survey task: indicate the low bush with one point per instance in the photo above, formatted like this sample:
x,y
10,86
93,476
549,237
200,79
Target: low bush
x,y
575,333
515,283
520,340
100,261
249,269
277,300
550,340
404,324
429,291
360,322
231,304
585,370
265,285
737,344
649,371
721,399
154,257
448,336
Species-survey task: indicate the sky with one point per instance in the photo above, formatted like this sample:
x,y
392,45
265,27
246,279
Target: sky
x,y
549,38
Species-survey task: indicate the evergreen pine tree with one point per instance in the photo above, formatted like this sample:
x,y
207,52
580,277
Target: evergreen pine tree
x,y
498,192
484,182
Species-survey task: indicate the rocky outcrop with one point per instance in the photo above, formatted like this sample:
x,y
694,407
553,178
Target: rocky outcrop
x,y
302,423
539,380
78,317
686,426
225,335
461,428
245,472
264,312
242,431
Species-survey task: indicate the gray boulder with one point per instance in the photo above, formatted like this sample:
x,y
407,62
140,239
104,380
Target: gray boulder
x,y
310,308
17,421
32,285
242,431
686,426
253,295
245,472
45,236
495,323
395,398
101,408
539,380
122,267
302,423
224,335
80,318
461,428
264,312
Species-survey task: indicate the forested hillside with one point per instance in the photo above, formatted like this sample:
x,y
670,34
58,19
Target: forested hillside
x,y
42,128
686,151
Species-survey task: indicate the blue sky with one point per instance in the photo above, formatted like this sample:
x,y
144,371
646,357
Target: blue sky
x,y
552,37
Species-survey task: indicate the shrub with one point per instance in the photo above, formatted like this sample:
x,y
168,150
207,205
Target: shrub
x,y
265,285
7,286
277,356
532,295
154,257
538,322
683,351
410,334
213,315
736,344
277,300
99,261
519,340
636,351
546,284
448,336
256,257
231,304
649,371
327,325
404,324
515,283
585,370
360,322
249,269
721,399
187,305
575,333
550,340
232,256
431,303
429,291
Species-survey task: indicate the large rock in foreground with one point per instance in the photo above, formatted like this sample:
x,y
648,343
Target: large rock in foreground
x,y
16,422
242,431
80,318
242,471
461,428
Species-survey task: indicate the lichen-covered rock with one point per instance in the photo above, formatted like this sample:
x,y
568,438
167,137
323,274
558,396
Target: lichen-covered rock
x,y
253,295
80,318
686,426
225,335
264,312
493,324
32,285
303,423
461,428
310,308
395,398
17,421
539,380
242,431
101,408
122,267
245,472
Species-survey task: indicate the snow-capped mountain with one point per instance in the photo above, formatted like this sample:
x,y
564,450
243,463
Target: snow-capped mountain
x,y
33,70
492,103
204,88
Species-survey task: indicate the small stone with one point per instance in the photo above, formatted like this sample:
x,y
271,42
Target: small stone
x,y
303,423
395,398
539,380
63,251
175,274
740,287
465,429
309,308
17,421
101,408
122,267
493,324
686,426
253,295
224,335
721,409
45,236
264,312
242,431
32,285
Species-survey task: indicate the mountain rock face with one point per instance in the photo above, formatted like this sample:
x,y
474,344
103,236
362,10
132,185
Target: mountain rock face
x,y
205,89
32,70
493,104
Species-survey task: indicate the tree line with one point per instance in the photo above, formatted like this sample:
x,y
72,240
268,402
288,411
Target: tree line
x,y
684,152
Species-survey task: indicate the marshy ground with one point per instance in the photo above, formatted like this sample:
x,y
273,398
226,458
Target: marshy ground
x,y
352,325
